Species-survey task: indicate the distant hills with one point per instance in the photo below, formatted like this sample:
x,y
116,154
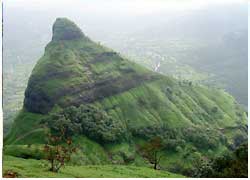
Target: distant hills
x,y
209,46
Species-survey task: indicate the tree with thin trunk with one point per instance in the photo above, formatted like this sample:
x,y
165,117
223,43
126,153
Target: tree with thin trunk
x,y
58,150
152,151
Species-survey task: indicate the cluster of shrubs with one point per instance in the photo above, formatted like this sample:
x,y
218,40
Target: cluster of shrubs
x,y
201,140
88,120
230,165
173,138
96,124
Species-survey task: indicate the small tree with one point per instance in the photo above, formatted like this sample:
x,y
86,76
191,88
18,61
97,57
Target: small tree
x,y
152,151
58,150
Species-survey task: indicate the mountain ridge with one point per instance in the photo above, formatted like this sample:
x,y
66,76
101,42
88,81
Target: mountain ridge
x,y
61,29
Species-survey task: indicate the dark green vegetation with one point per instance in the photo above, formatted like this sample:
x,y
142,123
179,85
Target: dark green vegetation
x,y
87,120
229,165
111,106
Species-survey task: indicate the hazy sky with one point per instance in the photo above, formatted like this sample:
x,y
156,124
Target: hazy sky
x,y
119,6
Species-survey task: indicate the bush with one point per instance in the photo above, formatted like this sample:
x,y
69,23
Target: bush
x,y
201,140
230,165
171,137
98,125
178,149
88,120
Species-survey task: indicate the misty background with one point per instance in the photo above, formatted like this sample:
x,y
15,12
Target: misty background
x,y
204,42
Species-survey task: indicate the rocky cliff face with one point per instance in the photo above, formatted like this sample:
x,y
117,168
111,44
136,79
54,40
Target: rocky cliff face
x,y
66,30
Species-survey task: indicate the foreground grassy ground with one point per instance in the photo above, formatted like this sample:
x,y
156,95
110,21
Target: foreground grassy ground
x,y
38,168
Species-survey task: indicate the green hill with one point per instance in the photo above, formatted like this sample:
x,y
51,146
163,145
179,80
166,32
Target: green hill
x,y
123,105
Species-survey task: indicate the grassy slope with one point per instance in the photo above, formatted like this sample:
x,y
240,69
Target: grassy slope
x,y
192,108
186,106
38,168
25,125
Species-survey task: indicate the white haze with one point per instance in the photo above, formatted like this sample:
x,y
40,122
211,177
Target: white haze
x,y
136,7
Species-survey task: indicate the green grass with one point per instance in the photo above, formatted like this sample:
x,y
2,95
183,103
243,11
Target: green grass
x,y
39,168
25,123
25,151
89,152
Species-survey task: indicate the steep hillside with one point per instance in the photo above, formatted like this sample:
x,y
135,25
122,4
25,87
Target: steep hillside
x,y
123,104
